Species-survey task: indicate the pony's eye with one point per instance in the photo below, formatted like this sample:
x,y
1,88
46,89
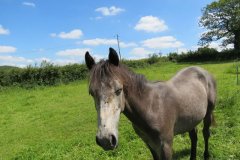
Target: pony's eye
x,y
117,92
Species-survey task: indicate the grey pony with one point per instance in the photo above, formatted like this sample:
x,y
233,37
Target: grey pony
x,y
157,110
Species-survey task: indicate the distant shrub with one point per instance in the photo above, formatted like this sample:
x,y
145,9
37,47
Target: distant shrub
x,y
204,54
230,54
135,63
4,78
141,63
153,58
173,57
43,75
73,72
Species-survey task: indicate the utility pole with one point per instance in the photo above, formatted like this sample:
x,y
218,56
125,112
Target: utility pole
x,y
118,46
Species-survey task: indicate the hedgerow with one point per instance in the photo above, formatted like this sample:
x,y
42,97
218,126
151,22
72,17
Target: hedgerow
x,y
205,54
47,74
43,75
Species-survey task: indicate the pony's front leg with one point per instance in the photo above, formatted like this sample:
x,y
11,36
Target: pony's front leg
x,y
166,148
166,151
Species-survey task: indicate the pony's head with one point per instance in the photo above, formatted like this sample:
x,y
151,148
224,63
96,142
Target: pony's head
x,y
106,88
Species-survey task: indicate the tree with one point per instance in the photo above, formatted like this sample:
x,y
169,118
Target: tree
x,y
222,21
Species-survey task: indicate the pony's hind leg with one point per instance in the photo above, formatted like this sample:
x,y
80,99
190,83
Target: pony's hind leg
x,y
206,131
154,154
193,137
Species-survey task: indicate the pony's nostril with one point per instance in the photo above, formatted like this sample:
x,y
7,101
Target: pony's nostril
x,y
113,140
97,141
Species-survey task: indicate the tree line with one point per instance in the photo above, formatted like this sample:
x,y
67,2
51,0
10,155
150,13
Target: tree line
x,y
48,74
44,75
205,54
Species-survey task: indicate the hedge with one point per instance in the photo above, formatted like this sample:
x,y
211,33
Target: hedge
x,y
205,54
48,74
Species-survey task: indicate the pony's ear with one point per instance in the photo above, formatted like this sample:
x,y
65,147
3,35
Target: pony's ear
x,y
89,60
113,57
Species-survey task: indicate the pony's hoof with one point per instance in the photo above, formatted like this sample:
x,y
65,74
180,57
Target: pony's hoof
x,y
206,155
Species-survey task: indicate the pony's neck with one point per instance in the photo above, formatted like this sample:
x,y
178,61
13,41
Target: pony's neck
x,y
136,100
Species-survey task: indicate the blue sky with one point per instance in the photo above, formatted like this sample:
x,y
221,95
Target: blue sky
x,y
62,31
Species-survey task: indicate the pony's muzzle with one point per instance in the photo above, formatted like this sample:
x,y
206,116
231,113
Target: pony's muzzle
x,y
107,143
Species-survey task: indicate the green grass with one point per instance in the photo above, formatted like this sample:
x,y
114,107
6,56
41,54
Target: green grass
x,y
60,122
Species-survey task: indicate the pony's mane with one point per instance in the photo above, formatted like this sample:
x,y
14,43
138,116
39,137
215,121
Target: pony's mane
x,y
103,70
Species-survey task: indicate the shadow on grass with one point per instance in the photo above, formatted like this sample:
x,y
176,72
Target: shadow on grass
x,y
181,154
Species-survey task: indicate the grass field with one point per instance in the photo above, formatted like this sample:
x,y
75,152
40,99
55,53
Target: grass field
x,y
59,122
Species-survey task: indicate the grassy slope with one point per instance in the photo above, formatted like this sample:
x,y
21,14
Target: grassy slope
x,y
7,68
60,122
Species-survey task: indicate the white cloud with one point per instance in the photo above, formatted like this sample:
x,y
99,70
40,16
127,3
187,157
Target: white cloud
x,y
74,34
127,45
103,41
99,41
162,42
194,48
140,52
217,45
73,52
111,11
14,59
39,60
182,50
229,46
4,31
7,49
24,62
62,62
151,24
97,57
29,4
